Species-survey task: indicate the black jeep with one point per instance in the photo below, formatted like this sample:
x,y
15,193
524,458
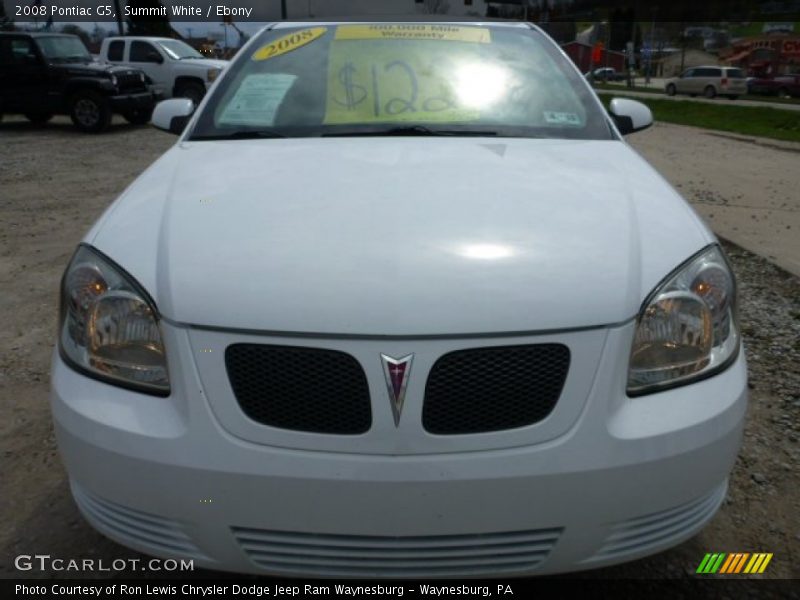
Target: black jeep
x,y
43,74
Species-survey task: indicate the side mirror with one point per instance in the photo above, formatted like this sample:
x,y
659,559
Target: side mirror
x,y
154,57
173,115
630,116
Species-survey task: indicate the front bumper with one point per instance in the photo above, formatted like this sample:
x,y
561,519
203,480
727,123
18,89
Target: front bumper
x,y
132,102
629,477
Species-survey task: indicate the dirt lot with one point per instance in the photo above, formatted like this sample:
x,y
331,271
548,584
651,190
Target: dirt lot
x,y
54,182
745,188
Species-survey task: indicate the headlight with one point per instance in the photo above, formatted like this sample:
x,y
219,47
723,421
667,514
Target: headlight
x,y
114,80
109,326
687,328
142,78
212,74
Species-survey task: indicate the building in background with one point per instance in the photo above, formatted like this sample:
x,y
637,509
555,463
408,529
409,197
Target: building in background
x,y
765,55
676,62
581,55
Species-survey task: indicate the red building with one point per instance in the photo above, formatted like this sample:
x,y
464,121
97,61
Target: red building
x,y
766,55
581,55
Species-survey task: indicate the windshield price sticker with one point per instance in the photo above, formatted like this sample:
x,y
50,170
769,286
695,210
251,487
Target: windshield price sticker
x,y
562,118
257,100
369,82
450,33
290,42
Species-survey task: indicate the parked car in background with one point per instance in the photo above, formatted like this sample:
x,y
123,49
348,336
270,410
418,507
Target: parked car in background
x,y
44,74
708,81
483,337
783,86
606,74
175,68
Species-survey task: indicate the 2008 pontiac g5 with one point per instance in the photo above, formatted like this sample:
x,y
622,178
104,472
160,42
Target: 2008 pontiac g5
x,y
400,302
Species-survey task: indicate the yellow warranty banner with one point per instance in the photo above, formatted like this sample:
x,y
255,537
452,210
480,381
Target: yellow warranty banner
x,y
287,43
413,31
376,82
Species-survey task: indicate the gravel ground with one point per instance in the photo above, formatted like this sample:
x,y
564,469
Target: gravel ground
x,y
744,187
55,182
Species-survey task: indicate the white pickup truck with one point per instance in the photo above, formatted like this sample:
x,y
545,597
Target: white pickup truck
x,y
175,68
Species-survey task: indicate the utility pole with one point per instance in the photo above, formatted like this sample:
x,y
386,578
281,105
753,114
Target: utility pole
x,y
652,43
631,57
283,10
683,46
118,8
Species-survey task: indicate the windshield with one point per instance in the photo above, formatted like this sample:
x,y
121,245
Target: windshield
x,y
402,79
66,48
178,50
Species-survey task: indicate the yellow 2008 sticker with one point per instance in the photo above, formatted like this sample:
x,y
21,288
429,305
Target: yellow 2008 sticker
x,y
289,42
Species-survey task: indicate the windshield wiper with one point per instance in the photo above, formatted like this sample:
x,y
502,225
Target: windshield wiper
x,y
244,134
412,130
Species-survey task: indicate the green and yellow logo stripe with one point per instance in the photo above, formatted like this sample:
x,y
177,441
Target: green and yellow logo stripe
x,y
734,563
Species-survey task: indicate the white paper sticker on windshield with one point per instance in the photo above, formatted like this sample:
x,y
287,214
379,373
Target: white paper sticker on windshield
x,y
257,99
561,118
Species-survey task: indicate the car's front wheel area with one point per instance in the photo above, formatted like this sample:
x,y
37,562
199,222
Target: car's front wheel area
x,y
90,112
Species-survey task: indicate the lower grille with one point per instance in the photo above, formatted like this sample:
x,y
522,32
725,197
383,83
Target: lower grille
x,y
647,533
493,389
157,534
303,389
370,556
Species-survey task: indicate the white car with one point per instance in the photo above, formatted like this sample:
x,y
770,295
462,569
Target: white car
x,y
401,302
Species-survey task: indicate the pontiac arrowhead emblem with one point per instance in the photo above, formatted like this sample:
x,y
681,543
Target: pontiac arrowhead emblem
x,y
396,371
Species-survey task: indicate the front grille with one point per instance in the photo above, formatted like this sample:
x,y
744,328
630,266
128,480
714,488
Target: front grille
x,y
493,389
412,556
130,81
303,389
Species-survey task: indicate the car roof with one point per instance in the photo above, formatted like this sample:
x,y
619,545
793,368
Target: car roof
x,y
433,19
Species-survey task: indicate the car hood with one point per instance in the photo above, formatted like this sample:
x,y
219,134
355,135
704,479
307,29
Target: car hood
x,y
92,68
399,236
206,63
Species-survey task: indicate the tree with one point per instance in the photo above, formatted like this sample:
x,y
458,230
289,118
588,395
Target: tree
x,y
621,24
118,13
6,24
437,7
79,31
561,31
149,23
98,33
